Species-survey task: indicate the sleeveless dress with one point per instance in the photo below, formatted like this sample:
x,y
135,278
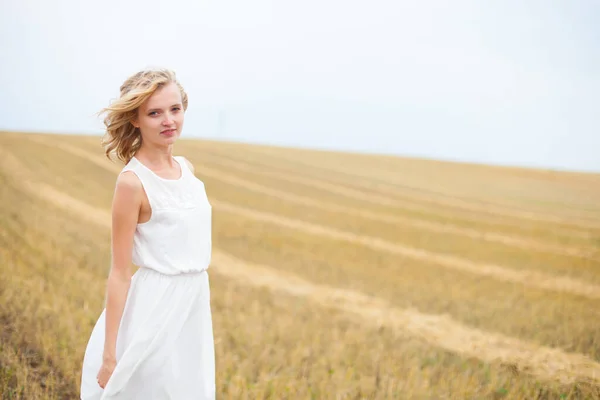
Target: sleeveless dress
x,y
165,347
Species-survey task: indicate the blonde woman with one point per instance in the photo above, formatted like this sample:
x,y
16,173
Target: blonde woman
x,y
154,338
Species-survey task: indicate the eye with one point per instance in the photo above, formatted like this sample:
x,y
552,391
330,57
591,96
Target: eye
x,y
153,113
176,108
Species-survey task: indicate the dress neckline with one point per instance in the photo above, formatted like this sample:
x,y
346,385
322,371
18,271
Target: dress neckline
x,y
160,177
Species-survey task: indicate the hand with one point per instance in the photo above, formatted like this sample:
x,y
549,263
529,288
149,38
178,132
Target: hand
x,y
106,370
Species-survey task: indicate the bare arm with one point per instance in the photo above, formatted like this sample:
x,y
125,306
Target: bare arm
x,y
125,210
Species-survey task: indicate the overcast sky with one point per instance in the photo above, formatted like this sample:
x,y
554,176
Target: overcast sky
x,y
502,82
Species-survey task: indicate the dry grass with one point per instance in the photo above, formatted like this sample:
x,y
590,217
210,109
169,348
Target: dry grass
x,y
301,314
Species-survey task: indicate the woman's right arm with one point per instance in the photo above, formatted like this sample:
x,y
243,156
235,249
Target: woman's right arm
x,y
126,205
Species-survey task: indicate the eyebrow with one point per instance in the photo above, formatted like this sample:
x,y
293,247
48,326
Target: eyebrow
x,y
158,109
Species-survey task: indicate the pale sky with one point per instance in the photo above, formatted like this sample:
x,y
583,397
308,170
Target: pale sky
x,y
502,82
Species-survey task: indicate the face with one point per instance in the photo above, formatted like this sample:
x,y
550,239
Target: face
x,y
160,118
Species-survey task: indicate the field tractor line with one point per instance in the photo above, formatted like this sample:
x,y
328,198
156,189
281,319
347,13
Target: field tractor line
x,y
424,225
377,199
495,209
532,279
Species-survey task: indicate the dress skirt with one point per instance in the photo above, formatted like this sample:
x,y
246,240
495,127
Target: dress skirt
x,y
165,347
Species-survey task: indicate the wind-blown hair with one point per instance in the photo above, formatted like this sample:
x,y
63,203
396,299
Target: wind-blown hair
x,y
122,139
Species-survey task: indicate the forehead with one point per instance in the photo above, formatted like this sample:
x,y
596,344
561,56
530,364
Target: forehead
x,y
164,97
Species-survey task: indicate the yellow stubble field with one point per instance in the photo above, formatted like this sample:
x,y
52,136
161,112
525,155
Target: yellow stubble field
x,y
334,276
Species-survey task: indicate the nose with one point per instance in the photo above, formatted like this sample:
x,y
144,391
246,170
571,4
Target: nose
x,y
168,120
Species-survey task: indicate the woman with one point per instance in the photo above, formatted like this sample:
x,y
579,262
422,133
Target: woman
x,y
154,339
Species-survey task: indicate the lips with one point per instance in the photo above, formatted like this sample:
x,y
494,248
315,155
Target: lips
x,y
169,132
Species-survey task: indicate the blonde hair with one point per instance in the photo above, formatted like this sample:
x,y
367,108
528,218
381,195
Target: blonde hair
x,y
122,138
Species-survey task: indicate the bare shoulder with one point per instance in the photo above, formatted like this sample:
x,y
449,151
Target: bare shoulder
x,y
190,165
128,183
128,194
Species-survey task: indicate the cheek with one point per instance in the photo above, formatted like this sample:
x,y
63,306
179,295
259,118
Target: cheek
x,y
147,121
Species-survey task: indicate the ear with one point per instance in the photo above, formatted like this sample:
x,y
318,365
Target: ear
x,y
135,122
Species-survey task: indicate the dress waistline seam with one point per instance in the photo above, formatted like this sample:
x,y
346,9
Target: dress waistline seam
x,y
200,272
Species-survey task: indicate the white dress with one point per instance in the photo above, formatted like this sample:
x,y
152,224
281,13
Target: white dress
x,y
165,346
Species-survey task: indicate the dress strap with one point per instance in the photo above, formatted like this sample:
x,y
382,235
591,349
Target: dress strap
x,y
148,180
185,169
